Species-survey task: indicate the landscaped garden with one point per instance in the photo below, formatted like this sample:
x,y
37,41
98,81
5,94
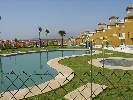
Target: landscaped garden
x,y
119,82
52,50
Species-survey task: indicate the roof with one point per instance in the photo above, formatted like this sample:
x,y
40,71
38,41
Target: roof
x,y
111,25
120,21
113,17
99,30
129,8
101,24
129,17
92,32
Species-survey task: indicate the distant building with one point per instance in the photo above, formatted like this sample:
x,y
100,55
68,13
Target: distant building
x,y
30,43
117,32
83,37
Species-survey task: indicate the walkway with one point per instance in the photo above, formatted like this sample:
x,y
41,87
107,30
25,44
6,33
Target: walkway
x,y
84,92
119,49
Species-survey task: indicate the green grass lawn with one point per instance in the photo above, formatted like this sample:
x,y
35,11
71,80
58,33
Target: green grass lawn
x,y
119,82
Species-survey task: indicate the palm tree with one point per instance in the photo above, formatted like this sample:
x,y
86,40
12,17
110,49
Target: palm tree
x,y
62,34
40,30
46,33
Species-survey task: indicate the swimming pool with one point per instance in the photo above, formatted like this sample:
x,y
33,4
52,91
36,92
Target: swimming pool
x,y
27,70
118,62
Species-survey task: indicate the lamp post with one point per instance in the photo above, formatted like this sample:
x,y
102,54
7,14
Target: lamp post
x,y
87,42
91,67
103,51
90,45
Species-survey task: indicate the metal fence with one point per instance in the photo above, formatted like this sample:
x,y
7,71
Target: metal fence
x,y
115,85
100,84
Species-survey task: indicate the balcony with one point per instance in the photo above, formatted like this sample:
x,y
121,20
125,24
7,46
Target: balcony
x,y
121,38
131,35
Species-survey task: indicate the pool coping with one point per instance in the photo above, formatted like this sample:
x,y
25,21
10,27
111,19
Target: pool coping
x,y
96,62
73,49
20,53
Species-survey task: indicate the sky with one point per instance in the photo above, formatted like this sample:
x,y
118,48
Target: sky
x,y
21,18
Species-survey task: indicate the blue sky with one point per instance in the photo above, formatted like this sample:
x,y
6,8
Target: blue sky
x,y
21,18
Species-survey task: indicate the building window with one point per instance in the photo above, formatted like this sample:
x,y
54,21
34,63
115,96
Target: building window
x,y
119,34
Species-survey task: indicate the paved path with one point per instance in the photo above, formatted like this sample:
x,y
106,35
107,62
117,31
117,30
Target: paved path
x,y
84,92
125,50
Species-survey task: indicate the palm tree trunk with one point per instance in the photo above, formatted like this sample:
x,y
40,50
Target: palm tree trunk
x,y
62,42
47,42
39,40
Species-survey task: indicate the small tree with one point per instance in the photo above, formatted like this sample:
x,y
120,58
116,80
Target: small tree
x,y
16,43
62,34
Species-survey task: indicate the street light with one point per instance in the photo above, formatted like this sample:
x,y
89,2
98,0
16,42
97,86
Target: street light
x,y
87,42
103,53
104,39
90,45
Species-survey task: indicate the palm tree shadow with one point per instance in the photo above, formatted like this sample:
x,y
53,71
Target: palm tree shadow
x,y
1,76
62,53
40,59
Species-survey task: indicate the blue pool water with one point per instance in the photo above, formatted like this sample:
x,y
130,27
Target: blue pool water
x,y
27,70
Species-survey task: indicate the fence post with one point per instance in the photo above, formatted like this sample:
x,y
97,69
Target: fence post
x,y
91,68
103,52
